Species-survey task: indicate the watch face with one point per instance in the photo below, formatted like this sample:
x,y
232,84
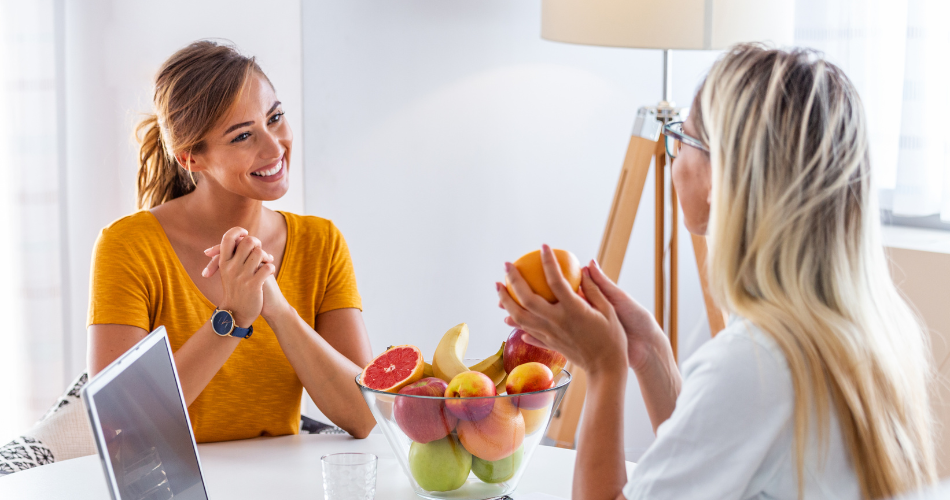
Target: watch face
x,y
222,323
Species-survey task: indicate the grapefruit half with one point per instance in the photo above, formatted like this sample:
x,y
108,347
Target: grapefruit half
x,y
394,369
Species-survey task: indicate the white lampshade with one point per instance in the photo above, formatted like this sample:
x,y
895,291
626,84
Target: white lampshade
x,y
668,24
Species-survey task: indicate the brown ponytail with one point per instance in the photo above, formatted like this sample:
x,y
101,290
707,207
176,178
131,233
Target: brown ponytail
x,y
160,177
194,89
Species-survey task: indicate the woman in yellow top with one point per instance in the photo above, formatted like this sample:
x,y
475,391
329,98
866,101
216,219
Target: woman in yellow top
x,y
216,148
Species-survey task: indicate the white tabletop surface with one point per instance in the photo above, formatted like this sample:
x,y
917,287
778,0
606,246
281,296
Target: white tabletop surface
x,y
286,467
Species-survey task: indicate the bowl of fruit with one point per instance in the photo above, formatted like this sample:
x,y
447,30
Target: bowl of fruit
x,y
464,429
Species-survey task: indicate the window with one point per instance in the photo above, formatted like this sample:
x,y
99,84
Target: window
x,y
895,53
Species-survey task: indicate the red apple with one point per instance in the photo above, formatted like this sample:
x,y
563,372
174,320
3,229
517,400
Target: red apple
x,y
470,384
531,377
519,352
424,420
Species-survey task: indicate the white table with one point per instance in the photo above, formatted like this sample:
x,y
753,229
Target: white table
x,y
286,467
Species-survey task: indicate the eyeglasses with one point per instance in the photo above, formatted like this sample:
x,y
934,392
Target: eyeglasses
x,y
675,138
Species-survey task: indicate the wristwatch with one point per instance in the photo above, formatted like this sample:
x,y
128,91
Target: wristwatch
x,y
222,322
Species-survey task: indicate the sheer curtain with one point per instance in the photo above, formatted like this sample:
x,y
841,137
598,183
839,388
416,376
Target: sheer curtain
x,y
31,281
895,51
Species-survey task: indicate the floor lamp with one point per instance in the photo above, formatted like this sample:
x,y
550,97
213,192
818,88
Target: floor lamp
x,y
666,25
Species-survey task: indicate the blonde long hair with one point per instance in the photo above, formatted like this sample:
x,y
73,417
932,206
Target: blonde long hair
x,y
795,248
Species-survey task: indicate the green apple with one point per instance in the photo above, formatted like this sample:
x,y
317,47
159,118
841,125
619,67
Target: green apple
x,y
441,465
499,470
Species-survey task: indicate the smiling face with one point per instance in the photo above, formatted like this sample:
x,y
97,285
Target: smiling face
x,y
692,177
248,152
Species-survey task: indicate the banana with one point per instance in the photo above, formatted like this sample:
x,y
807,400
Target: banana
x,y
447,361
493,366
502,386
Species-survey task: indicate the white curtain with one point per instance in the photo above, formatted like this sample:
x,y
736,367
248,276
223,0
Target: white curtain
x,y
896,53
31,293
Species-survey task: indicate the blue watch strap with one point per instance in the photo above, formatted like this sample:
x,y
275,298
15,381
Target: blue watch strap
x,y
244,333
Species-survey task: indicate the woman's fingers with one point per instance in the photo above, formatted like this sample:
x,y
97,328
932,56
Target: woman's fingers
x,y
532,340
261,275
607,285
237,236
254,260
521,316
529,300
230,241
593,293
244,249
216,250
212,267
552,273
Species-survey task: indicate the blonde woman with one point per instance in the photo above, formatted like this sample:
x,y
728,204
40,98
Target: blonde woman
x,y
817,386
258,304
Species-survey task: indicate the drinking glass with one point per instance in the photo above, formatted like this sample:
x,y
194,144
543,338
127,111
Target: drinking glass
x,y
349,476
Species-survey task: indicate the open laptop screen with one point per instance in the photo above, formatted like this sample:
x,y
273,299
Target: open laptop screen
x,y
138,414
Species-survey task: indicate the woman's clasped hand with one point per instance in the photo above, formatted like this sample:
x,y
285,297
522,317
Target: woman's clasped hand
x,y
248,276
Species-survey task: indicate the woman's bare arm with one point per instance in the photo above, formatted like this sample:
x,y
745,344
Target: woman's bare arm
x,y
591,335
648,350
105,343
327,362
198,360
599,469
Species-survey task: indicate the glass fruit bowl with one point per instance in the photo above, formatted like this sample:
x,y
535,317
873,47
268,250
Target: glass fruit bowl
x,y
481,455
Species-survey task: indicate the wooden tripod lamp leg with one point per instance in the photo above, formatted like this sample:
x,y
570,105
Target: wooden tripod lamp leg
x,y
613,248
636,165
659,236
660,295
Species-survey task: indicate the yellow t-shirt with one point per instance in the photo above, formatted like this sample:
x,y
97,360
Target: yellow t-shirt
x,y
137,280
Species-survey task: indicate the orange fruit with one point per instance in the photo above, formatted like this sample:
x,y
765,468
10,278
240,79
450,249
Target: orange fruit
x,y
496,436
529,265
394,369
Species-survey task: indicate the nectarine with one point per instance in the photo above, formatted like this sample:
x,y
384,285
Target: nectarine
x,y
466,385
496,436
531,377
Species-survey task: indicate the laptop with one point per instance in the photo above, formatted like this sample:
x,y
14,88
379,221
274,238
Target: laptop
x,y
142,430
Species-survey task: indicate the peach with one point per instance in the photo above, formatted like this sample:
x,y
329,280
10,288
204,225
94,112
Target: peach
x,y
496,436
385,404
534,420
531,377
519,352
421,418
470,384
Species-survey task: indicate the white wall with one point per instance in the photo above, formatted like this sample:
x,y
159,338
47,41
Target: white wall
x,y
920,265
445,138
113,50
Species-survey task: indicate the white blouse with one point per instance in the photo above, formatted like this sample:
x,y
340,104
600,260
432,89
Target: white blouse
x,y
731,434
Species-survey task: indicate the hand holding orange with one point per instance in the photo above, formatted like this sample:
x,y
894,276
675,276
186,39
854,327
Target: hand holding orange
x,y
532,270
